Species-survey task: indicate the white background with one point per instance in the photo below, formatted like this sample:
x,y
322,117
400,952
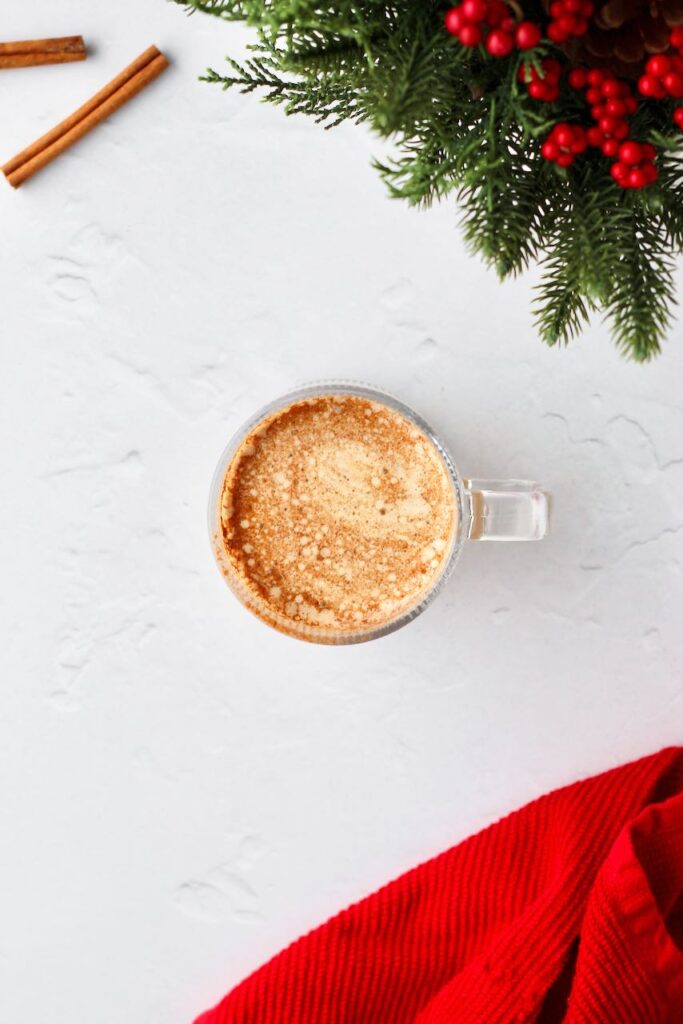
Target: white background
x,y
182,790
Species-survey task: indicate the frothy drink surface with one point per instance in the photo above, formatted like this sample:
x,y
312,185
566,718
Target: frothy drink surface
x,y
337,513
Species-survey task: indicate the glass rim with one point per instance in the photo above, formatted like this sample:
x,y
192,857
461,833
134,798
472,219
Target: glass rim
x,y
265,612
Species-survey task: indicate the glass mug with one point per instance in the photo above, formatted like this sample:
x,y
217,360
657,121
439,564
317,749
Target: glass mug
x,y
480,510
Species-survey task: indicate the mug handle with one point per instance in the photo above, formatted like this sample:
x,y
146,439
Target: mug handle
x,y
507,510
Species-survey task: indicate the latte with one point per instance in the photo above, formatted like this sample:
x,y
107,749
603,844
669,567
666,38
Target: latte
x,y
337,516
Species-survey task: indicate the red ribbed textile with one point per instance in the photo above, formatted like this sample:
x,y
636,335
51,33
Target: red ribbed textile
x,y
569,910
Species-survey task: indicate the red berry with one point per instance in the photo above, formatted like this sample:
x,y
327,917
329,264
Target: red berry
x,y
621,131
609,125
470,34
565,160
593,96
453,20
475,10
528,35
677,37
610,147
594,136
567,23
620,171
563,135
673,83
631,104
615,108
550,150
631,152
596,76
611,88
651,87
552,69
555,33
577,78
540,91
658,66
649,151
650,171
499,43
678,117
599,111
637,178
579,144
556,9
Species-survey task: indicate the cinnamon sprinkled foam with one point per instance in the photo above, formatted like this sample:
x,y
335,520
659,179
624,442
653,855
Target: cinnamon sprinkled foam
x,y
337,513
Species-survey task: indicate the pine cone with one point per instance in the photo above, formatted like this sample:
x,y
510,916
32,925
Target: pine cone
x,y
623,33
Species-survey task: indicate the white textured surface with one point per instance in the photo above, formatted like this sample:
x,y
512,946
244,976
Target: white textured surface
x,y
183,790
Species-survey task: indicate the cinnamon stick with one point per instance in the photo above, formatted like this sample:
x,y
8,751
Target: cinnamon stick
x,y
60,44
43,151
30,52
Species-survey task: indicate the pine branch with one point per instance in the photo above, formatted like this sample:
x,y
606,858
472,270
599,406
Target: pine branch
x,y
329,104
562,308
578,267
639,306
231,11
462,123
335,57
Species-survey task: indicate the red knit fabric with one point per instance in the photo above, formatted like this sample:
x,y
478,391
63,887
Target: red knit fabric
x,y
570,910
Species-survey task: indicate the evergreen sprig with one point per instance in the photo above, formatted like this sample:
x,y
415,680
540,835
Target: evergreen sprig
x,y
462,124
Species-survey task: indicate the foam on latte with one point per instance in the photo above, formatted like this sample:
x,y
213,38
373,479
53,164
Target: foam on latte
x,y
337,513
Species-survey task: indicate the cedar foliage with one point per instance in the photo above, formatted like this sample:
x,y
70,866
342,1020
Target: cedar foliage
x,y
462,124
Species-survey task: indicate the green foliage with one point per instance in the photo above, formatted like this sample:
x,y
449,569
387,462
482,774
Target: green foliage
x,y
461,123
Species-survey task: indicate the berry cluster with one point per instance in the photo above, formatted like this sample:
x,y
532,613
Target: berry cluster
x,y
663,77
611,103
635,167
564,144
490,22
545,87
568,18
611,100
